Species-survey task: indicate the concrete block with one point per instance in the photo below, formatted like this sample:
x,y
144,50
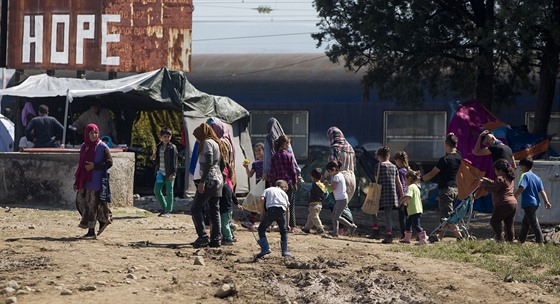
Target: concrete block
x,y
46,179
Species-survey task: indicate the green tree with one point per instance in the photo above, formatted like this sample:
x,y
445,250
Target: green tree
x,y
412,47
534,27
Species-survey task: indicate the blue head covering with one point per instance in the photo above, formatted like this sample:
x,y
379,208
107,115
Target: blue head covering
x,y
108,140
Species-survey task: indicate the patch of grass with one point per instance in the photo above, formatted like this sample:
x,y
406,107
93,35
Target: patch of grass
x,y
535,264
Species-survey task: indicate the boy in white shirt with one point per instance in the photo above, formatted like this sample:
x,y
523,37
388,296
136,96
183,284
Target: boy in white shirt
x,y
276,209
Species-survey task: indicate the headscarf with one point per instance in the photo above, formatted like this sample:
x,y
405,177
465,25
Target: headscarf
x,y
222,132
205,132
341,150
27,110
108,139
274,129
338,141
87,153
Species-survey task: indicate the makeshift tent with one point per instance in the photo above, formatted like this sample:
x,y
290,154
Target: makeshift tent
x,y
156,90
6,134
467,124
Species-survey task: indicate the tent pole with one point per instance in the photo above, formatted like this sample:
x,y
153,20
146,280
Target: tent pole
x,y
3,83
65,119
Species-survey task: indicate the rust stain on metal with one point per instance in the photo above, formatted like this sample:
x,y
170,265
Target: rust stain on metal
x,y
100,35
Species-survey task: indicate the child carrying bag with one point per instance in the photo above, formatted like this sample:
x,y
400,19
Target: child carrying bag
x,y
371,203
252,201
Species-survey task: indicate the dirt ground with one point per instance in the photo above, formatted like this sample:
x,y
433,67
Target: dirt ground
x,y
142,258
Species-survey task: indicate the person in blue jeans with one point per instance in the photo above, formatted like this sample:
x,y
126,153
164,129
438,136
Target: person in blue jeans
x,y
276,210
165,157
530,185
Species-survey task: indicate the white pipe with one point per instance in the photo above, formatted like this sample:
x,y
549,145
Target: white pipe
x,y
65,118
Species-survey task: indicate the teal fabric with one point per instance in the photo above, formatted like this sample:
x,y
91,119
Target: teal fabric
x,y
166,202
226,230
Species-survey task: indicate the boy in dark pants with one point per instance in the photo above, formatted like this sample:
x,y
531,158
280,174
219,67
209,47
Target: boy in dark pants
x,y
277,210
530,185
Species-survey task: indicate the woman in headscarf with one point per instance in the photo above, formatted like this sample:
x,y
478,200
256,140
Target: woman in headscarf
x,y
340,150
209,188
95,159
274,129
228,191
223,133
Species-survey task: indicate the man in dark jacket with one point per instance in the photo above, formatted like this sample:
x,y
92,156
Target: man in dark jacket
x,y
45,130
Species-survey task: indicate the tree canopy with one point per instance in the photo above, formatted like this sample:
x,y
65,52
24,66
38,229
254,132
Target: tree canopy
x,y
409,48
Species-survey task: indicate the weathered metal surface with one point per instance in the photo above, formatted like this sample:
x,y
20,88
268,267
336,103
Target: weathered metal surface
x,y
100,35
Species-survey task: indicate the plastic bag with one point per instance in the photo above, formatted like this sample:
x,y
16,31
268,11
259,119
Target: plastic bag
x,y
253,200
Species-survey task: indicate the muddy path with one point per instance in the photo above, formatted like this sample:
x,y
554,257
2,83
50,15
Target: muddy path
x,y
142,258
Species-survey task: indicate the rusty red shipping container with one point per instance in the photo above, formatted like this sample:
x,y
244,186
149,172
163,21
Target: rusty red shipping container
x,y
100,35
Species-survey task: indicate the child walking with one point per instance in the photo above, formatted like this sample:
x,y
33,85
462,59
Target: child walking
x,y
503,200
165,157
338,185
530,185
413,203
227,201
390,190
282,168
257,170
401,160
276,209
316,198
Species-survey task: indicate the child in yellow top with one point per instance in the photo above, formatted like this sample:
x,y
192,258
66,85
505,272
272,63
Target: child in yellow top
x,y
413,201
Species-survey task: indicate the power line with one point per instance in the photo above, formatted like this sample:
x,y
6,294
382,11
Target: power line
x,y
250,37
253,16
273,19
256,2
252,8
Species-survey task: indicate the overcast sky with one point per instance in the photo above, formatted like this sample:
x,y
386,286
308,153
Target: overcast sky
x,y
236,26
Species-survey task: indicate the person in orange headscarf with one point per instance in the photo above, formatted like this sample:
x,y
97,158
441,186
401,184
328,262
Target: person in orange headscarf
x,y
209,188
95,159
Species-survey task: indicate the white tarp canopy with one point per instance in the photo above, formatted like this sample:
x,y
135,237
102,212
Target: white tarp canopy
x,y
156,90
162,89
47,86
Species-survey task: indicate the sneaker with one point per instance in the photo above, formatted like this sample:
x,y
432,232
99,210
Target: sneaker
x,y
89,236
227,243
306,230
333,233
102,226
165,215
200,242
320,231
214,244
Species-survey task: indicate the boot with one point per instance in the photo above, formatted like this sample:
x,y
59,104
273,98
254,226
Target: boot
x,y
407,237
284,245
423,238
265,249
388,239
374,235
